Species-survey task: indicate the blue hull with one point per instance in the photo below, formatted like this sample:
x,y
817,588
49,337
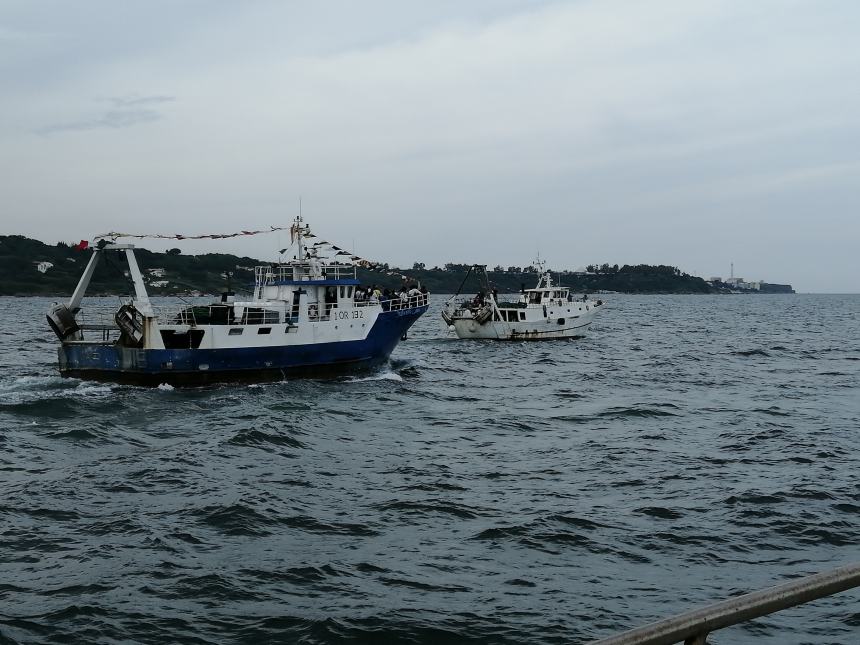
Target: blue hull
x,y
109,362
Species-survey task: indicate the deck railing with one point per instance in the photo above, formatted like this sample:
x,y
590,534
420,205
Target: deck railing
x,y
101,317
693,627
97,317
266,275
391,304
395,304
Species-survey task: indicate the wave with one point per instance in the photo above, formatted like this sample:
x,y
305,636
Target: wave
x,y
294,575
422,586
235,519
436,486
75,434
384,376
660,512
548,534
638,411
431,507
42,514
51,399
570,394
254,438
210,586
750,352
313,525
773,411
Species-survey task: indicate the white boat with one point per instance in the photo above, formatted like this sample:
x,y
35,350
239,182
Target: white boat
x,y
303,318
549,311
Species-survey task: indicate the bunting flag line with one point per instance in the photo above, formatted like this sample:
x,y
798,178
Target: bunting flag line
x,y
295,230
113,235
359,261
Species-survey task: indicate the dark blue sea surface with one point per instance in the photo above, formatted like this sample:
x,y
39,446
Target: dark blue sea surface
x,y
689,449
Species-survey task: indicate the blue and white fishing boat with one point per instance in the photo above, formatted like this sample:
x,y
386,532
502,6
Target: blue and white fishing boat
x,y
303,319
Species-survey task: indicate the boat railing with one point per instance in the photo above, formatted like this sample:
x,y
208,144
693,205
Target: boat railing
x,y
217,314
397,304
274,274
97,317
193,315
97,323
693,627
318,312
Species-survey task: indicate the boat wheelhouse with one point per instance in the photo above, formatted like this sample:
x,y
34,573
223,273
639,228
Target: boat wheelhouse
x,y
303,318
548,311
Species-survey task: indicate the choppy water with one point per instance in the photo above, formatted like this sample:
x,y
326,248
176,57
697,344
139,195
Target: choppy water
x,y
690,448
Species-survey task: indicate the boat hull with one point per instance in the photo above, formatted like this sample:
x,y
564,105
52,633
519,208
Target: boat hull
x,y
468,328
114,363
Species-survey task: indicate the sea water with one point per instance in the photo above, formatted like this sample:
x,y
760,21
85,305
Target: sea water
x,y
689,449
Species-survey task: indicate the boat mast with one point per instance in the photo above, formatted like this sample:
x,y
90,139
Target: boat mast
x,y
300,234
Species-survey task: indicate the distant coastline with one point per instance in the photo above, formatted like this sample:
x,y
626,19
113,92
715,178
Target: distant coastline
x,y
32,268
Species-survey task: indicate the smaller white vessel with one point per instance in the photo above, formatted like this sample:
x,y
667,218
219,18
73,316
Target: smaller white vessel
x,y
549,311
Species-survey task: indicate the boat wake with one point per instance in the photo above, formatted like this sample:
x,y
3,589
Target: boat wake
x,y
388,375
31,389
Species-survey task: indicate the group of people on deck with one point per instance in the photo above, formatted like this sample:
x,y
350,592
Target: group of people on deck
x,y
481,299
407,295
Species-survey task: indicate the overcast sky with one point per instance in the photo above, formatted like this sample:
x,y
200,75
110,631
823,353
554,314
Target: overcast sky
x,y
692,133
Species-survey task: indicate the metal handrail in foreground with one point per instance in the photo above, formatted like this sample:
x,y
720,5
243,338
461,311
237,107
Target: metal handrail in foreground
x,y
694,626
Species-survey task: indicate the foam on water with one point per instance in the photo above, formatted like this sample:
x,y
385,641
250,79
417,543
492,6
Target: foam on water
x,y
387,375
34,389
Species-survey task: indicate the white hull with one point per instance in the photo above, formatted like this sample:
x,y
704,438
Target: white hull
x,y
545,329
544,313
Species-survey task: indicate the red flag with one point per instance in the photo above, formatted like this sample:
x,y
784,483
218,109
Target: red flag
x,y
83,245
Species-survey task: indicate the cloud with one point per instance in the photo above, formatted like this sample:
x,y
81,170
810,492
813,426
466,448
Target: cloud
x,y
596,130
134,101
126,111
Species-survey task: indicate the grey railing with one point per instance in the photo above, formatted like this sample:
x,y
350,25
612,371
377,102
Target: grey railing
x,y
693,627
268,274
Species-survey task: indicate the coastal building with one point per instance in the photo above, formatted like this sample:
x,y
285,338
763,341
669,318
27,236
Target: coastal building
x,y
156,273
42,267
